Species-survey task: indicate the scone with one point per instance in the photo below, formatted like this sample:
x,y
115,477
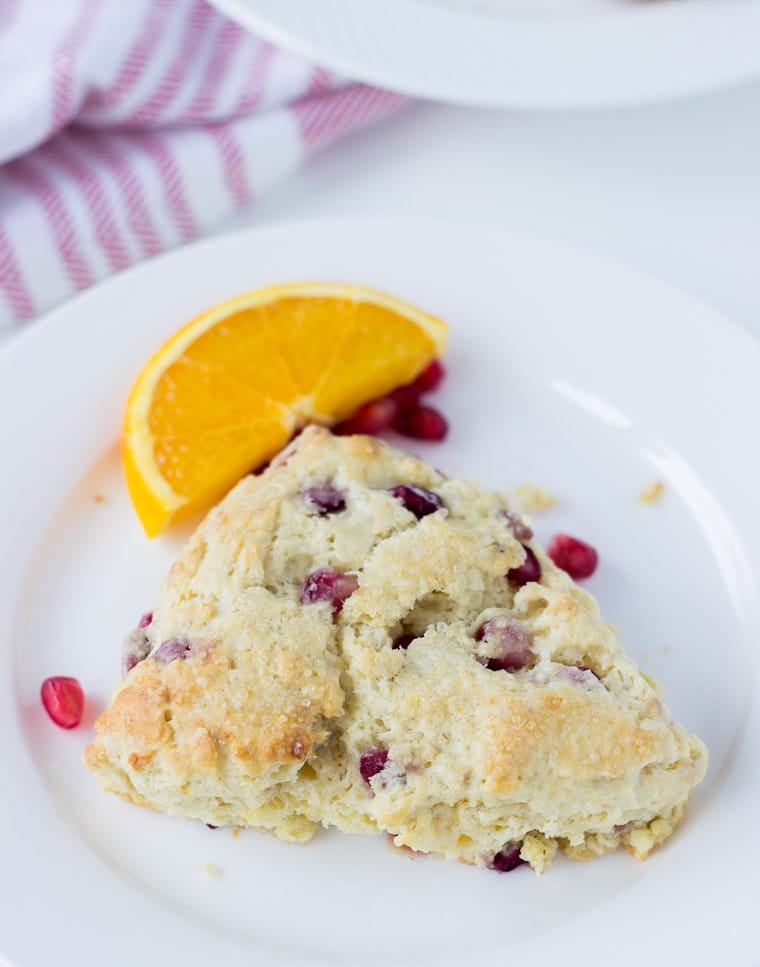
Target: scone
x,y
353,639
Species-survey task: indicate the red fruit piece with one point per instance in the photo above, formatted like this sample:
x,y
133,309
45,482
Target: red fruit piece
x,y
579,674
324,499
146,619
173,649
371,762
579,559
136,648
507,859
406,397
430,378
422,423
63,699
510,639
372,418
328,585
417,500
529,570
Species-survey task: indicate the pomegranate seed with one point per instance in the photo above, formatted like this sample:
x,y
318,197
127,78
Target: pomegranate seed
x,y
146,619
63,699
417,500
572,555
372,418
507,859
529,570
371,762
517,525
174,649
328,585
135,649
403,641
407,397
430,378
510,639
325,499
580,674
422,423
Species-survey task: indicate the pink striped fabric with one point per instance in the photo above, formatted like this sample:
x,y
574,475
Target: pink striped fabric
x,y
20,302
126,128
233,163
90,185
114,156
65,64
49,197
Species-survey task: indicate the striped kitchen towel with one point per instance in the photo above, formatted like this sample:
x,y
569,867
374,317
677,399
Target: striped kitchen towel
x,y
130,126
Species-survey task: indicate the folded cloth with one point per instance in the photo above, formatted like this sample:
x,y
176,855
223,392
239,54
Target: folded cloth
x,y
130,127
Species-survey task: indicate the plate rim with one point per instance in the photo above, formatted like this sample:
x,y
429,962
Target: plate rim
x,y
29,330
594,63
38,330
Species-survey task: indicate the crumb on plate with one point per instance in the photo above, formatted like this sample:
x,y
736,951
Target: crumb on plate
x,y
652,492
534,499
211,869
99,499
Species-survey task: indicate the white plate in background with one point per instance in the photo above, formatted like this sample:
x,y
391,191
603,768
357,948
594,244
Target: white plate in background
x,y
565,369
549,54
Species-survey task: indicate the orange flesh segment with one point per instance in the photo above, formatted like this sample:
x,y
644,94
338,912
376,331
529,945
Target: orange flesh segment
x,y
226,392
309,335
192,464
226,399
244,347
380,352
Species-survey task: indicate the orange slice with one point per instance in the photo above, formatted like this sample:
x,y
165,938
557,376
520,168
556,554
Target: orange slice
x,y
228,390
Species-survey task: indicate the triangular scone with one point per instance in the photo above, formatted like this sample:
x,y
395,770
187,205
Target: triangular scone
x,y
353,639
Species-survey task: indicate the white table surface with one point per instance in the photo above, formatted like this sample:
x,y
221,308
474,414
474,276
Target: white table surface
x,y
674,188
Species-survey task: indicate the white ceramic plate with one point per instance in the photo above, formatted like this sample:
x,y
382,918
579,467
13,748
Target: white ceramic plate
x,y
565,369
521,53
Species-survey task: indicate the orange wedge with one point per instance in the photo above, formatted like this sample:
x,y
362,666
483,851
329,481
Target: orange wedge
x,y
228,390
